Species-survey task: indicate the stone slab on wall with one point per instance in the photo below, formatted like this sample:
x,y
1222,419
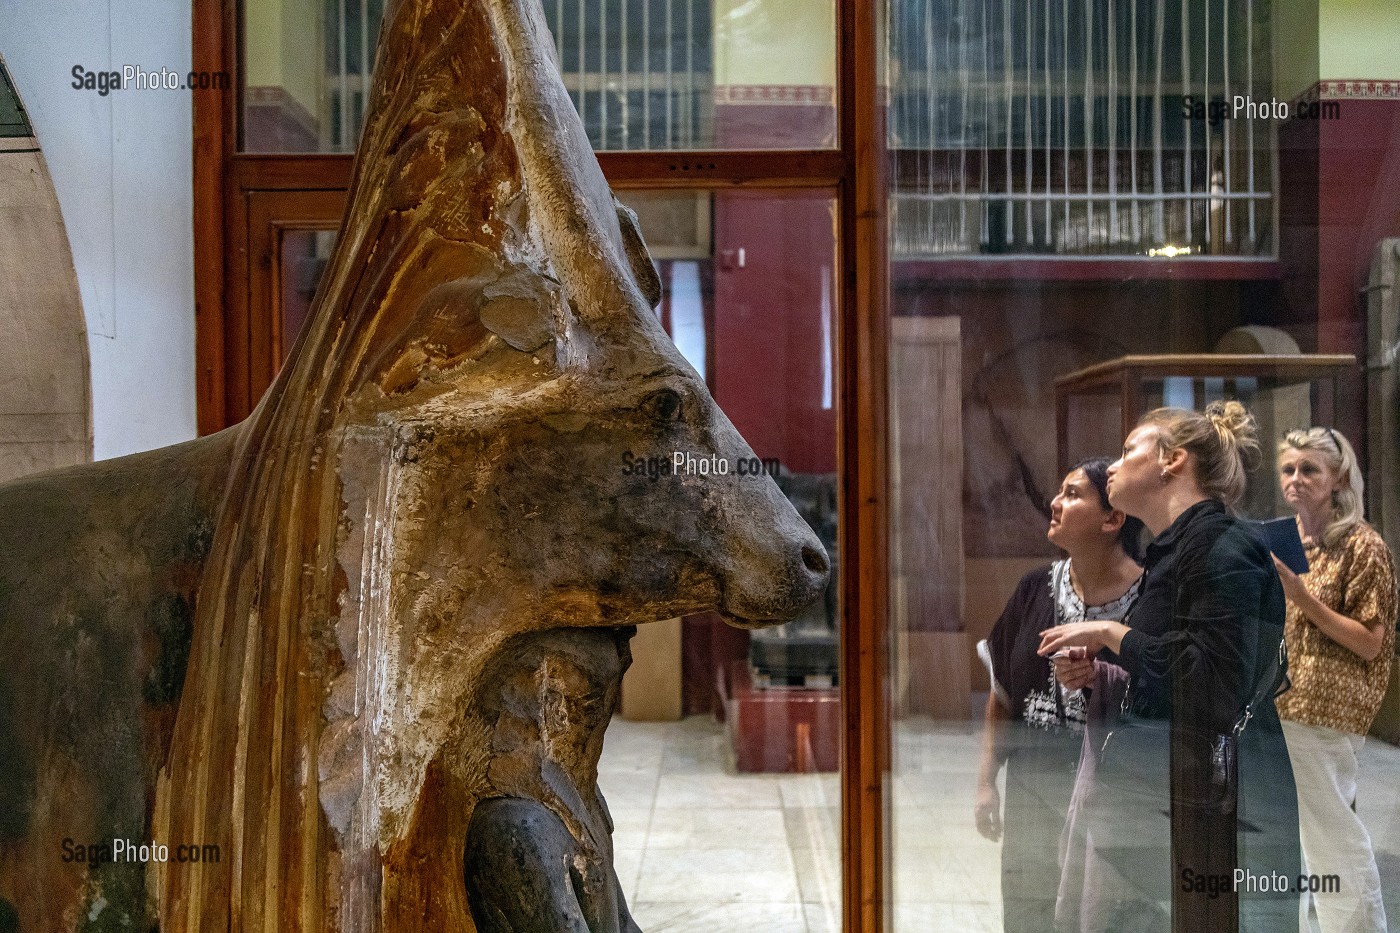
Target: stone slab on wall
x,y
121,165
45,419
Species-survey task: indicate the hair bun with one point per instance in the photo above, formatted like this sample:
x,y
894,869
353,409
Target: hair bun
x,y
1237,430
1232,421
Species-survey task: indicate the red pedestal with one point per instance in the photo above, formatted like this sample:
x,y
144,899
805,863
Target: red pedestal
x,y
781,730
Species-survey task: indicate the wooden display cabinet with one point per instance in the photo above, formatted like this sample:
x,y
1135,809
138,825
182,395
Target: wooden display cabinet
x,y
1284,392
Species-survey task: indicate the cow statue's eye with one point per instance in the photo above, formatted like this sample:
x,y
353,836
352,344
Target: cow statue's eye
x,y
664,405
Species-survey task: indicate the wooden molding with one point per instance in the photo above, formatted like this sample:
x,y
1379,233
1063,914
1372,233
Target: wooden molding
x,y
862,349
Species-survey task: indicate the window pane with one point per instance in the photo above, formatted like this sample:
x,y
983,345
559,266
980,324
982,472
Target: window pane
x,y
1088,127
643,74
720,769
303,260
1086,229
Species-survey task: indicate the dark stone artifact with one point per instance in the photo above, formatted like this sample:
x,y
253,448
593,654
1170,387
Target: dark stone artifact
x,y
347,665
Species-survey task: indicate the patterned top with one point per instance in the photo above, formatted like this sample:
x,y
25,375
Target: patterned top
x,y
1333,686
1023,682
1042,707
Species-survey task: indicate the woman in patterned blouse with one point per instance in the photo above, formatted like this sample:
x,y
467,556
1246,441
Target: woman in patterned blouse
x,y
1341,638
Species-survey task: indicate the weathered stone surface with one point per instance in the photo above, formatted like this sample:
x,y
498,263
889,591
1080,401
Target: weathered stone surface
x,y
402,588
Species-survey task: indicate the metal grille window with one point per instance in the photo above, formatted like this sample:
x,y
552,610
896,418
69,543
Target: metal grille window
x,y
352,31
1094,127
639,71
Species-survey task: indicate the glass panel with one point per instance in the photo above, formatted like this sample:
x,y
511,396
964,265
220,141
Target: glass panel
x,y
304,256
1136,794
721,768
1082,127
644,74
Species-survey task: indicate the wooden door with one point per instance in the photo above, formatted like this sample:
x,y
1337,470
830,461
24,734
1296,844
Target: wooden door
x,y
260,323
932,656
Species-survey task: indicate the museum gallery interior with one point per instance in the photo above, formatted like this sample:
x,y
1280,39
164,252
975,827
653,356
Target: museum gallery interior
x,y
583,465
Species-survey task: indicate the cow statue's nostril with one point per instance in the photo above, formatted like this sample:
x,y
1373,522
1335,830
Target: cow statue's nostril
x,y
815,559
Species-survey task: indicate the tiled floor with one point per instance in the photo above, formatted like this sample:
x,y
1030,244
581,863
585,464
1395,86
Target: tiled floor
x,y
701,848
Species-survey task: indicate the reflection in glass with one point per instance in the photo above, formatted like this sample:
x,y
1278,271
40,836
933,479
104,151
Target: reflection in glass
x,y
643,74
303,260
1092,130
1088,127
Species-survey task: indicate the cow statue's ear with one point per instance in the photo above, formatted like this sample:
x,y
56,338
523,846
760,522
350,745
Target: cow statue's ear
x,y
520,308
637,255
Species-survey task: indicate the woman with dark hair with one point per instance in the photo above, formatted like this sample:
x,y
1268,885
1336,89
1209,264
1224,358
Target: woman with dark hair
x,y
1193,781
1032,724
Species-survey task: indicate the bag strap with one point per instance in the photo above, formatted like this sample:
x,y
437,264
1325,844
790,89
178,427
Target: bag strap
x,y
1269,685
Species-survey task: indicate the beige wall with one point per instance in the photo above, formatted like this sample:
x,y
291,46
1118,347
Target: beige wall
x,y
283,47
1295,47
775,42
1360,39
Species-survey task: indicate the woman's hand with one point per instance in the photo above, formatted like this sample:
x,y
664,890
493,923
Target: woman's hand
x,y
1365,641
1075,670
1293,586
987,811
1091,636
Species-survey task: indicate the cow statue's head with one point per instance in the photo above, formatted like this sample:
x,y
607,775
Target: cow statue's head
x,y
449,462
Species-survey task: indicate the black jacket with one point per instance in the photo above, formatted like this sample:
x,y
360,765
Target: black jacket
x,y
1208,623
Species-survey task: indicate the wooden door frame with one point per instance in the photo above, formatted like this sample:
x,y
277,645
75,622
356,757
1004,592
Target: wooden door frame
x,y
228,183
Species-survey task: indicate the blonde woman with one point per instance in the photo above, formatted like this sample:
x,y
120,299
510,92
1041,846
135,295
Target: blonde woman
x,y
1201,653
1341,639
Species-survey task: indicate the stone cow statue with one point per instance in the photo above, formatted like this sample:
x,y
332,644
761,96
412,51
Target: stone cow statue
x,y
349,663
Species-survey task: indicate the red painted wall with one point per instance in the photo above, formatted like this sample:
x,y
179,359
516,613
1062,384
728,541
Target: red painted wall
x,y
766,351
774,256
1359,204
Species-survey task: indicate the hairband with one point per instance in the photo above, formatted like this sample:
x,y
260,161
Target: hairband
x,y
1335,443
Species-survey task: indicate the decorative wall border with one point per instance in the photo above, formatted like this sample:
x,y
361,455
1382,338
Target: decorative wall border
x,y
781,94
1351,89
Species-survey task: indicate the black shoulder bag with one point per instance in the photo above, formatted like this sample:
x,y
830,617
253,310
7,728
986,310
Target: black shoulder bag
x,y
1140,747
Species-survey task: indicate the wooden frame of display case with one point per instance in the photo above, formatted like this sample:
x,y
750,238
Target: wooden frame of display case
x,y
1126,374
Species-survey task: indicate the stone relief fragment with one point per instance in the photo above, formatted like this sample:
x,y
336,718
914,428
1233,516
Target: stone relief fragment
x,y
354,657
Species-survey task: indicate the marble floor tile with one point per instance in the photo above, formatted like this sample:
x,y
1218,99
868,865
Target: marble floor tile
x,y
687,916
695,829
818,875
698,791
823,918
702,848
627,862
714,887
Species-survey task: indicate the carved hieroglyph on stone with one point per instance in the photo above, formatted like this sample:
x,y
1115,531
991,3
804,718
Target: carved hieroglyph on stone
x,y
366,643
